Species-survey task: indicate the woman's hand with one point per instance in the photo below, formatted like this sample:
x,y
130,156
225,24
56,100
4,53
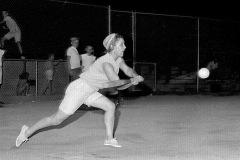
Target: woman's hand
x,y
135,80
139,78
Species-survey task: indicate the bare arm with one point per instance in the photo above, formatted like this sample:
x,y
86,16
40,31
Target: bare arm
x,y
80,58
68,62
109,71
130,72
127,70
56,62
113,77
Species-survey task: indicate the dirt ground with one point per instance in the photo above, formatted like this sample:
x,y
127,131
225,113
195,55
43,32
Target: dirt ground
x,y
199,127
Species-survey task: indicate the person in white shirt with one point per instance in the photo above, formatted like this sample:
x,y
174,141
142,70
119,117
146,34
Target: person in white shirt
x,y
14,31
84,90
73,60
88,58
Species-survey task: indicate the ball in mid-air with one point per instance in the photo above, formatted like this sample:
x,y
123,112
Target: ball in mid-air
x,y
203,73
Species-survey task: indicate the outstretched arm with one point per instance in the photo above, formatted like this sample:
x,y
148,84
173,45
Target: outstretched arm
x,y
127,70
56,62
130,72
68,62
114,78
81,64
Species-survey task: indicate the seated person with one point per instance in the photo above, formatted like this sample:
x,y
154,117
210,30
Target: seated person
x,y
23,85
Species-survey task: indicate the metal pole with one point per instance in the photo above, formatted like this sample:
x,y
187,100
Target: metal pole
x,y
109,19
134,36
36,71
155,89
134,40
198,59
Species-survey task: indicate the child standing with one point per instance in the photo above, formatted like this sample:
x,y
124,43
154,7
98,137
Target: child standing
x,y
49,72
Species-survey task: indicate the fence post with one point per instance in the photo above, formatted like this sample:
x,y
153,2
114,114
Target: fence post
x,y
109,20
36,72
198,58
155,88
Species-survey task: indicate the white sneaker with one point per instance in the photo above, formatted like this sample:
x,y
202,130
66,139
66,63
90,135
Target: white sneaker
x,y
22,137
112,142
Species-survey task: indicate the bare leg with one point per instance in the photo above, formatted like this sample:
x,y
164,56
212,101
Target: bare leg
x,y
45,87
19,47
109,107
23,90
2,42
55,119
27,89
50,87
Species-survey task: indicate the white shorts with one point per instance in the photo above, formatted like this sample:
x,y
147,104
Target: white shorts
x,y
16,35
49,74
77,93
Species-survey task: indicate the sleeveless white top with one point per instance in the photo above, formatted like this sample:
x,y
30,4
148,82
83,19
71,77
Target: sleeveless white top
x,y
95,75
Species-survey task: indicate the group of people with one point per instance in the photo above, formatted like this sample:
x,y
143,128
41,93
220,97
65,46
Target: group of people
x,y
88,76
78,63
73,60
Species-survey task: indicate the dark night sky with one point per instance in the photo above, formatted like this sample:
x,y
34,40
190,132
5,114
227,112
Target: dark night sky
x,y
202,9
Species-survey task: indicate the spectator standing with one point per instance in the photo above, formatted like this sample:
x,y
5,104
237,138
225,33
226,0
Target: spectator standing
x,y
73,60
49,72
87,58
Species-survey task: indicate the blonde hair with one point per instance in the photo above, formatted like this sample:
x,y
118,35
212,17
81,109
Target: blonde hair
x,y
112,41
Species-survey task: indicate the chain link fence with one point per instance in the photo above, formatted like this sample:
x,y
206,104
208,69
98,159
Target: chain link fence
x,y
13,69
180,46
